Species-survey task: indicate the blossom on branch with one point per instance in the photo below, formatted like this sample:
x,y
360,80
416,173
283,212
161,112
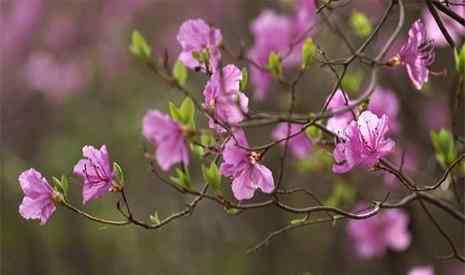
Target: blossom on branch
x,y
168,137
373,236
200,45
339,122
417,54
244,168
96,172
39,196
299,144
454,28
421,270
223,100
363,143
384,101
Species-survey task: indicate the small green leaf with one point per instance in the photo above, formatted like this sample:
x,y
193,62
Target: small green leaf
x,y
174,112
298,221
352,81
460,60
182,178
361,24
274,65
444,147
212,176
60,185
119,173
313,132
207,139
342,193
180,73
198,151
308,53
232,211
139,46
64,184
155,219
244,80
187,111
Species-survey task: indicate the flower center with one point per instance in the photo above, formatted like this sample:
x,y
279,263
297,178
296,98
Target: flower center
x,y
254,157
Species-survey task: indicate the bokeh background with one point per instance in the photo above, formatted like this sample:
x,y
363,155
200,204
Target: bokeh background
x,y
67,80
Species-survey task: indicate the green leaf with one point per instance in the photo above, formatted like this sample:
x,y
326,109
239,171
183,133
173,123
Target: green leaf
x,y
308,53
274,65
232,211
174,112
459,57
60,185
313,132
180,73
119,173
182,178
139,46
361,24
298,221
352,81
187,111
155,219
198,151
207,139
444,147
342,193
212,176
244,80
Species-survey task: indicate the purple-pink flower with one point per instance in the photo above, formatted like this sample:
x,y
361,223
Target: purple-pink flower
x,y
244,168
373,236
300,144
417,54
454,28
196,37
96,172
421,270
339,122
168,137
39,196
223,100
384,101
363,143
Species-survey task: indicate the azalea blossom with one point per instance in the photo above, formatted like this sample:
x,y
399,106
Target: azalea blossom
x,y
95,171
384,101
300,144
363,143
417,54
223,99
421,270
39,196
196,37
339,122
244,168
168,137
373,236
305,16
454,28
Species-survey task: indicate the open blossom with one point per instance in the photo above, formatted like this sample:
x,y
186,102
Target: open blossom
x,y
384,101
417,54
244,168
168,137
38,201
363,143
300,144
196,36
224,100
421,270
454,28
373,236
339,122
96,172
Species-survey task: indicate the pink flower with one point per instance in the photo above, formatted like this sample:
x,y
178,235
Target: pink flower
x,y
95,171
417,54
244,168
339,122
363,143
454,28
410,163
223,99
372,237
272,33
421,270
384,101
299,144
38,201
168,136
196,36
305,15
